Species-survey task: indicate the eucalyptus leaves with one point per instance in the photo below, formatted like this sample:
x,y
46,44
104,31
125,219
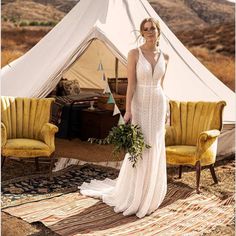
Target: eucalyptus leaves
x,y
127,137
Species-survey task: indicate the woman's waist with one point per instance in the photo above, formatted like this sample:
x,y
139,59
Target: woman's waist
x,y
158,85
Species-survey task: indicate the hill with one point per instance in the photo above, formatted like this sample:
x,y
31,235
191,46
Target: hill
x,y
213,11
17,12
61,5
219,38
185,15
178,14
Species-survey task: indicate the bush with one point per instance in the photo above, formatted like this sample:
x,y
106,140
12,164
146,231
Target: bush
x,y
14,19
24,23
5,18
38,23
34,23
48,23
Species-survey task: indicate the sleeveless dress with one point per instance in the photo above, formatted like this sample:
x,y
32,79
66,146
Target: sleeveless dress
x,y
140,190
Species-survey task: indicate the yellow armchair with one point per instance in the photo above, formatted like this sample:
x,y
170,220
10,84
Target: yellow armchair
x,y
25,131
191,138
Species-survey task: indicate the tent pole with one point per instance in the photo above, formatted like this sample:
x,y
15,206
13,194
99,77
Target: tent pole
x,y
116,74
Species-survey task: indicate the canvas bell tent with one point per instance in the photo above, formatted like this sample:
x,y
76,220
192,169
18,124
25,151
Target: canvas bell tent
x,y
97,31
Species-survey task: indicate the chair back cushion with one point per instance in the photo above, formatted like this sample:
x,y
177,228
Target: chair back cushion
x,y
191,118
25,117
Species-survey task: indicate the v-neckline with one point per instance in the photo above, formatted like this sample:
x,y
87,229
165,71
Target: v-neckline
x,y
152,68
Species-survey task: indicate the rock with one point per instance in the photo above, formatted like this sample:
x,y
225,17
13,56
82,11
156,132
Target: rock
x,y
55,186
69,175
42,190
15,190
18,185
26,189
44,182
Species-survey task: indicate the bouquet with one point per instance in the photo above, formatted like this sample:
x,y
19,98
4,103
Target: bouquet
x,y
127,137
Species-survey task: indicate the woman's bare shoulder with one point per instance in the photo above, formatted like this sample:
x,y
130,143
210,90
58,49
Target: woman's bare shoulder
x,y
133,53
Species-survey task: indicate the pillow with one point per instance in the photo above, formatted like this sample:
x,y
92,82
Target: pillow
x,y
69,87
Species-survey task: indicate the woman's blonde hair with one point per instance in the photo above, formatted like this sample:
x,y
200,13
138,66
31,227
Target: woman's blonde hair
x,y
155,22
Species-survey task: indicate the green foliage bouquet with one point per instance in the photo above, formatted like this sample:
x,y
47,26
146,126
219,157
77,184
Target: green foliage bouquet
x,y
127,137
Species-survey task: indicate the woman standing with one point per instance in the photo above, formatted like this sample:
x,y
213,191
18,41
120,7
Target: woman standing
x,y
141,190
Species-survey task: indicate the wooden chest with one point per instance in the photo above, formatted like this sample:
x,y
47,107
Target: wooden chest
x,y
119,99
96,123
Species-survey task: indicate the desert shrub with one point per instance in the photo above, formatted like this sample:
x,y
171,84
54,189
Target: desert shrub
x,y
14,19
5,18
48,23
24,23
38,23
34,23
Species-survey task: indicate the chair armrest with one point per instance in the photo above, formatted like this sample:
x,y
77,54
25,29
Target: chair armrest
x,y
206,140
214,133
3,135
48,135
169,135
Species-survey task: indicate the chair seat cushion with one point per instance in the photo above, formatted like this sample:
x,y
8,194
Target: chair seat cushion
x,y
181,154
21,147
185,155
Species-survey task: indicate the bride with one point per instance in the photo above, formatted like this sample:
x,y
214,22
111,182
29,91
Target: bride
x,y
141,190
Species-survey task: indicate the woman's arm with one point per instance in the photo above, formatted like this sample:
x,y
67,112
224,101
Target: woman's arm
x,y
131,74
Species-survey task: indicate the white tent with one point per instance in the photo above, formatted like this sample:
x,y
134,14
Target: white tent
x,y
95,31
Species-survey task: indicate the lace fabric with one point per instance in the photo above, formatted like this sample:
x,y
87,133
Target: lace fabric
x,y
142,189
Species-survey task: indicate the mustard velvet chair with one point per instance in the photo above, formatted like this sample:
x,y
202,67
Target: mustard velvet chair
x,y
25,128
191,138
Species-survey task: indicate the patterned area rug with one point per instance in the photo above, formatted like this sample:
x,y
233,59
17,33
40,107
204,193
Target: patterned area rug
x,y
37,187
183,212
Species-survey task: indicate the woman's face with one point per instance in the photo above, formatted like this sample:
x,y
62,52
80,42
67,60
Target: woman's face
x,y
150,32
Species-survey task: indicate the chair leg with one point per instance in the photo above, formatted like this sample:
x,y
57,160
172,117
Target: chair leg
x,y
213,173
37,163
198,174
3,160
180,171
51,164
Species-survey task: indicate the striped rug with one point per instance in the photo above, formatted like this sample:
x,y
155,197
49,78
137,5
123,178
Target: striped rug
x,y
182,213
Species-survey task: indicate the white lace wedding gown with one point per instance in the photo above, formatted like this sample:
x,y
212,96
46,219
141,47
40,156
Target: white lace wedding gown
x,y
140,190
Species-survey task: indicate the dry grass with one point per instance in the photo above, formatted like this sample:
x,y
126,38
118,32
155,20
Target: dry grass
x,y
17,41
218,38
223,67
9,56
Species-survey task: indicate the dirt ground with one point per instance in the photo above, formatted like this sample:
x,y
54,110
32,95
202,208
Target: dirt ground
x,y
225,170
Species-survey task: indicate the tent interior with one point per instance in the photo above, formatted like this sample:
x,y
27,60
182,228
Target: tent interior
x,y
95,62
93,69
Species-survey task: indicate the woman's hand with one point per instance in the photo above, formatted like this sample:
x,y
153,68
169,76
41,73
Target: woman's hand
x,y
127,117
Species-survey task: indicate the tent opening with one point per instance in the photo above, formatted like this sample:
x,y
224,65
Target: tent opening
x,y
94,66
